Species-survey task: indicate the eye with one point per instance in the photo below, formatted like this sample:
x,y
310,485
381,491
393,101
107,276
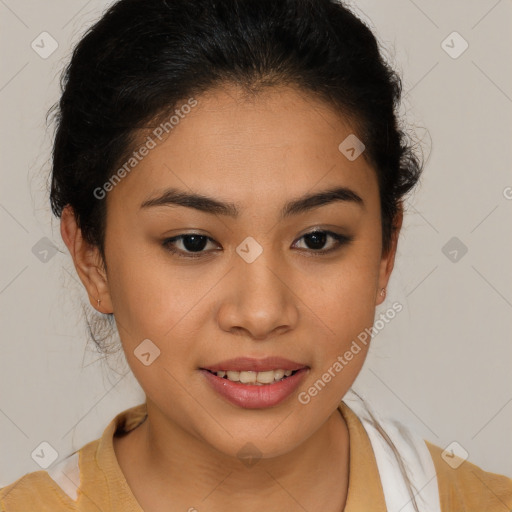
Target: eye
x,y
316,240
192,243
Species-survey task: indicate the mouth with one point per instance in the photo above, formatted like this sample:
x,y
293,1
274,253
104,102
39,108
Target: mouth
x,y
254,378
255,383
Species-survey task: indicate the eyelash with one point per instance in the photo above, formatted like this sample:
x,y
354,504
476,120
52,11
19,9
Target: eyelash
x,y
340,240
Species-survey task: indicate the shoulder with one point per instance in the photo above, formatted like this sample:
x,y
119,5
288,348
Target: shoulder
x,y
91,473
465,486
56,489
34,491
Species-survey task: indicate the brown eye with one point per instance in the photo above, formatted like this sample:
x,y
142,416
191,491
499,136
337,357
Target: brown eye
x,y
192,245
316,240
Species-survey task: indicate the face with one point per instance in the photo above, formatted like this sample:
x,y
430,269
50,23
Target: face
x,y
240,283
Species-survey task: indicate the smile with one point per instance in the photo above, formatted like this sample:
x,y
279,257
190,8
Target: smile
x,y
245,389
254,378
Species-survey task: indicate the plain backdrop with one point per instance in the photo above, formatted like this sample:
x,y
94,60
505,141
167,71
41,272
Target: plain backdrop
x,y
442,365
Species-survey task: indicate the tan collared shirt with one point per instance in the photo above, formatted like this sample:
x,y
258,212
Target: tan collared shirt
x,y
103,487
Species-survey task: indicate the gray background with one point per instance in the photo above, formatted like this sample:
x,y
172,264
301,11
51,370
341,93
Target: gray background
x,y
442,365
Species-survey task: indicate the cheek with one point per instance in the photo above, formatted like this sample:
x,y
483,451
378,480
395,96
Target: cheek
x,y
344,293
348,311
346,308
154,300
344,300
151,302
149,294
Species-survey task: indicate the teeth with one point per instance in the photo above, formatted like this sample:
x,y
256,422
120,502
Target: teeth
x,y
247,377
265,377
255,378
278,374
234,376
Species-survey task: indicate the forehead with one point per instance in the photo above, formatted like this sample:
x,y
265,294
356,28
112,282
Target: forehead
x,y
239,147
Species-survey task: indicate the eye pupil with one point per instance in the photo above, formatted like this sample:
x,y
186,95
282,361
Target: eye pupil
x,y
197,244
318,238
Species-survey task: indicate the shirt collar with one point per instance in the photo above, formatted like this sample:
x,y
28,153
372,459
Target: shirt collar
x,y
364,490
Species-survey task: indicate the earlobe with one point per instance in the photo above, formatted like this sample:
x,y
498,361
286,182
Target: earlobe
x,y
88,262
380,296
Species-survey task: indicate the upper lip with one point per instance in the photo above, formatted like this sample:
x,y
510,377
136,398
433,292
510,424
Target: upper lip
x,y
249,364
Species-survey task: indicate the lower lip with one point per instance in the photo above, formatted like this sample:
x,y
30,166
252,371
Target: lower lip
x,y
251,396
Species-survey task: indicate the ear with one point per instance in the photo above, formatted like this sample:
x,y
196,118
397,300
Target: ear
x,y
88,262
388,259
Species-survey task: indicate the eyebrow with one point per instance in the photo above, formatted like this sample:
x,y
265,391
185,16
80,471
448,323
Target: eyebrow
x,y
307,202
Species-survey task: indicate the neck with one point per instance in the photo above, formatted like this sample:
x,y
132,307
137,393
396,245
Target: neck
x,y
168,465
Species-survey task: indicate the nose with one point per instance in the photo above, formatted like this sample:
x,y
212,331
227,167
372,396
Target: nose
x,y
260,303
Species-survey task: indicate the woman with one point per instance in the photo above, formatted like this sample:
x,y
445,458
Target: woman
x,y
230,178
